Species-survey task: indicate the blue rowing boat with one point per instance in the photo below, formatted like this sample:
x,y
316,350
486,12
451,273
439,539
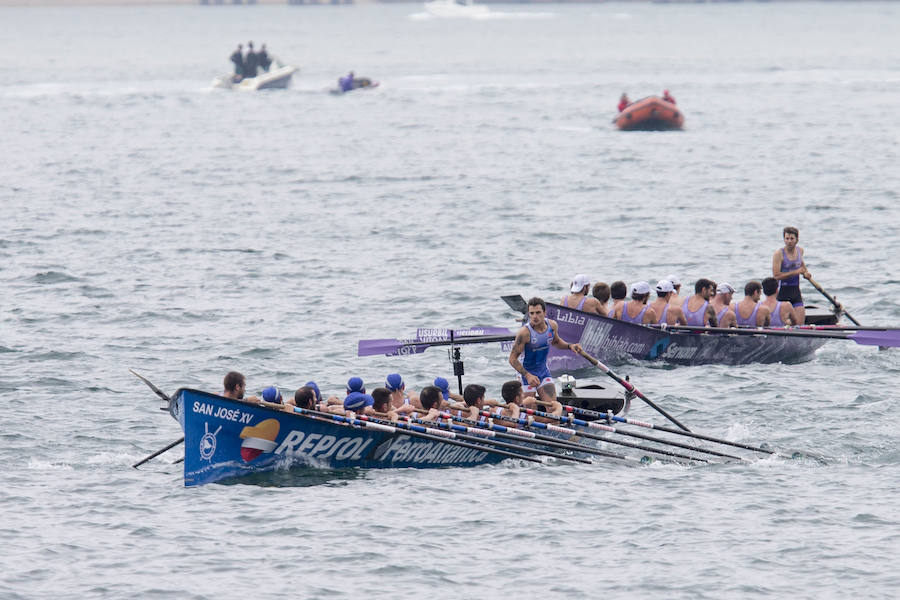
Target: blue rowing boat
x,y
226,439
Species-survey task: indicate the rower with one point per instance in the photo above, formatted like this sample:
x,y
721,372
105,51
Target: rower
x,y
354,385
473,402
697,310
235,385
787,266
750,312
675,298
669,314
579,299
601,292
513,395
546,401
618,291
534,340
721,304
637,310
355,403
430,397
781,314
401,401
304,397
381,405
444,385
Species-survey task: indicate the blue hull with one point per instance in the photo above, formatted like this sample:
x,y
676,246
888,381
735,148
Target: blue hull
x,y
225,439
614,341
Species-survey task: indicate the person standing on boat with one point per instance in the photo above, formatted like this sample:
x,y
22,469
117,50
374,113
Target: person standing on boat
x,y
750,312
579,299
668,313
251,60
263,58
668,97
721,304
787,266
237,57
235,385
623,102
534,341
781,314
697,310
618,291
637,311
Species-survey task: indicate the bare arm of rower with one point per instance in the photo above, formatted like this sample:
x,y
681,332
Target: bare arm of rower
x,y
762,317
560,343
518,348
711,319
650,317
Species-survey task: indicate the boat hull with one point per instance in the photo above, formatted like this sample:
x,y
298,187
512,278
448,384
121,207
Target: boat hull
x,y
614,341
226,439
650,114
277,78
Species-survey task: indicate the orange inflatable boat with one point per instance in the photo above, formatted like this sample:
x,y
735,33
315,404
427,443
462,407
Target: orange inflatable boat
x,y
650,114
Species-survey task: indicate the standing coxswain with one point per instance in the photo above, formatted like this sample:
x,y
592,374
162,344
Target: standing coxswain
x,y
787,266
534,340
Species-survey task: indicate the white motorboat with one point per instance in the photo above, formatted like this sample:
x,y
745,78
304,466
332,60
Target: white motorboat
x,y
456,9
278,77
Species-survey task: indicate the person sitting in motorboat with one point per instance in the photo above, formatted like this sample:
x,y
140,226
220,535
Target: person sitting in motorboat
x,y
251,61
668,97
263,58
346,83
624,102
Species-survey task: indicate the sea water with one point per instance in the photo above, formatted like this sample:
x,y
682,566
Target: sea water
x,y
152,222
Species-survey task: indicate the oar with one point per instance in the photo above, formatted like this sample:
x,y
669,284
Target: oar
x,y
864,337
392,347
158,452
699,436
629,387
485,436
158,391
445,437
483,428
593,436
837,304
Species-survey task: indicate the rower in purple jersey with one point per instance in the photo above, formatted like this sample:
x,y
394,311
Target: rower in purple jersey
x,y
750,312
787,266
781,314
669,314
579,299
637,310
721,304
697,310
534,341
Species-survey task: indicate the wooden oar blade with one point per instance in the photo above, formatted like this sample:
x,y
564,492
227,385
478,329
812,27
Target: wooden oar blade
x,y
888,338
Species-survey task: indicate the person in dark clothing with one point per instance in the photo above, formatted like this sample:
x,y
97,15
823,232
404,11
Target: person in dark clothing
x,y
237,57
251,61
264,60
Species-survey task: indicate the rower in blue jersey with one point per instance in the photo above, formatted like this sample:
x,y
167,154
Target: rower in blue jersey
x,y
534,340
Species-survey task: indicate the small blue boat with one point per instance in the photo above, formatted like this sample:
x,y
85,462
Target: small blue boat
x,y
226,439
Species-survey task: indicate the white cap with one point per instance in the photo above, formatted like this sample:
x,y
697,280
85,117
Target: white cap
x,y
674,279
641,287
663,286
724,288
579,282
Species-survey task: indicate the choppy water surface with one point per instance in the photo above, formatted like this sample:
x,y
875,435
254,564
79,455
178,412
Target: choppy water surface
x,y
151,222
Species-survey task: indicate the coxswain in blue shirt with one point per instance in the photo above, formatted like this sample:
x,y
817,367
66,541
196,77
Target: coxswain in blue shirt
x,y
534,341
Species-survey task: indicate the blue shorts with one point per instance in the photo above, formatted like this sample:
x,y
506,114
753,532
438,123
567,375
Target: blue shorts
x,y
790,293
544,374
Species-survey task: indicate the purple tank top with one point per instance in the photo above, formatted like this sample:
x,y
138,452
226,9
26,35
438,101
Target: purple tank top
x,y
694,317
580,304
662,319
749,321
720,313
791,265
638,319
775,318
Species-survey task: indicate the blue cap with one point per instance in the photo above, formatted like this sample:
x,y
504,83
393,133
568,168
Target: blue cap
x,y
444,385
271,394
358,401
315,388
394,382
355,384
